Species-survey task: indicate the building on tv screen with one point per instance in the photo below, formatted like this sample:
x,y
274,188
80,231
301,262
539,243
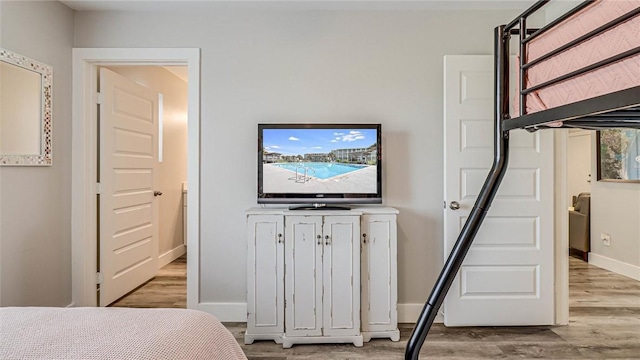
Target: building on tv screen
x,y
319,161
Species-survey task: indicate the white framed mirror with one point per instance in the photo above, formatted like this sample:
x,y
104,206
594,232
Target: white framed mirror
x,y
25,111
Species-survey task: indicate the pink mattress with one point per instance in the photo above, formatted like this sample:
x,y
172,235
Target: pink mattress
x,y
614,77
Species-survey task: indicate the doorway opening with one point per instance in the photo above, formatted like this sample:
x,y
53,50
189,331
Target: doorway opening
x,y
85,165
143,271
596,289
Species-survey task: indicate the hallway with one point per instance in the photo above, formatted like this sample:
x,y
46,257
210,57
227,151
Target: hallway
x,y
168,289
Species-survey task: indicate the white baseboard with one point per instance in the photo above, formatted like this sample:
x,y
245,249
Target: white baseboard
x,y
409,313
237,312
615,266
171,255
231,312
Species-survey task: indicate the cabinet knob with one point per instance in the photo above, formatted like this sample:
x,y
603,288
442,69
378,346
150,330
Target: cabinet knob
x,y
319,239
326,239
279,238
364,238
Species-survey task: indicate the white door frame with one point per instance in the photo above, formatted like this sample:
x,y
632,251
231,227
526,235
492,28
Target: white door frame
x,y
84,161
561,228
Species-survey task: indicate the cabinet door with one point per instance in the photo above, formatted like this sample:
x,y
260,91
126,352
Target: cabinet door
x,y
341,273
379,289
303,275
265,274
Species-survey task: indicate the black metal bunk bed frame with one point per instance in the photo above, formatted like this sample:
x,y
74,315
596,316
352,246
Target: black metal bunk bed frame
x,y
620,109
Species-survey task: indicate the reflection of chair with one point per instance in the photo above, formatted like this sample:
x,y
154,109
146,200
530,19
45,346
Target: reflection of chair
x,y
579,225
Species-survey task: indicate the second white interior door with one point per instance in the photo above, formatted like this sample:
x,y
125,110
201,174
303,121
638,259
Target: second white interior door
x,y
507,276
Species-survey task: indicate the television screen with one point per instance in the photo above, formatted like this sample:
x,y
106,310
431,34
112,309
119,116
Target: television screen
x,y
319,163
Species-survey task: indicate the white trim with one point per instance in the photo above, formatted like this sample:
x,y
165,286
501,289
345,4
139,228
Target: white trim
x,y
168,257
561,229
616,266
0,238
232,312
71,305
408,313
83,199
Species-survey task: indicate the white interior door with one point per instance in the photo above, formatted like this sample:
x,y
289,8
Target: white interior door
x,y
128,172
507,276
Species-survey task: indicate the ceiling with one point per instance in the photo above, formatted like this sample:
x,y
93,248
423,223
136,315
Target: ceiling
x,y
203,5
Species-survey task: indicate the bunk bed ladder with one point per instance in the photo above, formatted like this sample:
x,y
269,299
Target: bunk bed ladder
x,y
480,208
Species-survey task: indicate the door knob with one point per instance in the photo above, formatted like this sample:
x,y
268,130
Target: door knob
x,y
454,205
157,193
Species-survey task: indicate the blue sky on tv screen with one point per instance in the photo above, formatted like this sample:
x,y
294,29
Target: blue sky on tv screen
x,y
307,141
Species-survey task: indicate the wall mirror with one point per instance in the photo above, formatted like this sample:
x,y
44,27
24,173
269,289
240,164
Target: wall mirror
x,y
25,110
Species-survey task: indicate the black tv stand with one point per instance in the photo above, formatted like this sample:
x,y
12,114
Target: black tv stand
x,y
319,207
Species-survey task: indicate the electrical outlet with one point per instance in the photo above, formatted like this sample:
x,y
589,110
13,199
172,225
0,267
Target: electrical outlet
x,y
606,239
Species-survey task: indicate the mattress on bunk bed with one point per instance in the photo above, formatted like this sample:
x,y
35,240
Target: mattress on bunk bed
x,y
617,76
113,333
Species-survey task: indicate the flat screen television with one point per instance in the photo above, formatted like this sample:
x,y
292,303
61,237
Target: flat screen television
x,y
319,165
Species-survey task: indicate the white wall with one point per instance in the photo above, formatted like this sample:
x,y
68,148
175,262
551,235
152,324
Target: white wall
x,y
312,66
173,169
35,206
615,210
578,162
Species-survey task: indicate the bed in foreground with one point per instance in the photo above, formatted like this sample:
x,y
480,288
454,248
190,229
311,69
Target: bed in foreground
x,y
113,333
581,70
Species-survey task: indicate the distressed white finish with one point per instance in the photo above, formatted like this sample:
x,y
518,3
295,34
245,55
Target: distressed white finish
x,y
322,283
128,175
379,276
265,278
510,267
322,276
341,276
303,280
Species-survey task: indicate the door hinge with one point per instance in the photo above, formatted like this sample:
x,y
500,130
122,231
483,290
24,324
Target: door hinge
x,y
99,278
99,98
98,188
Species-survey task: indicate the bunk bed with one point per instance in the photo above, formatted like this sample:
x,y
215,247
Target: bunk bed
x,y
581,70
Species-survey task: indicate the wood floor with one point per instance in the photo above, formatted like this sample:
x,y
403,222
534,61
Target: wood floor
x,y
604,316
168,289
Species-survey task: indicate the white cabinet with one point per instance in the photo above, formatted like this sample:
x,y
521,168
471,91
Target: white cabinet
x,y
265,278
322,281
379,277
321,276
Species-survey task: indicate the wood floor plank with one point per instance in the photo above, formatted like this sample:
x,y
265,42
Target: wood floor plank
x,y
604,323
168,289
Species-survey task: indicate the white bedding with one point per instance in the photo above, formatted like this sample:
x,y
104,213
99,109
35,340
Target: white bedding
x,y
113,333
